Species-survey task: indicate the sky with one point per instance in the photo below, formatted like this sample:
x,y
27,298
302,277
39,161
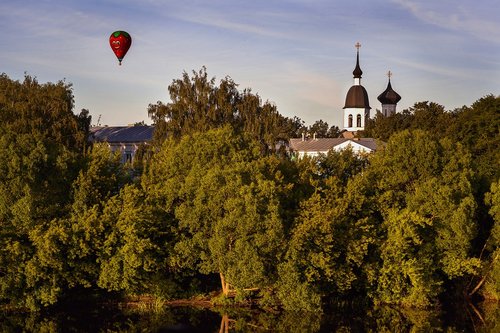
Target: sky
x,y
297,54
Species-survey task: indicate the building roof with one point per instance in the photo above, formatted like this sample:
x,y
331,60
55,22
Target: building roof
x,y
122,134
389,96
357,97
325,144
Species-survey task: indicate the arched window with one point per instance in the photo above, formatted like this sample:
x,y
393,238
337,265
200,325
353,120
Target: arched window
x,y
358,120
350,121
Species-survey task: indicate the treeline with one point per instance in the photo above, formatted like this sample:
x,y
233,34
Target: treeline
x,y
218,206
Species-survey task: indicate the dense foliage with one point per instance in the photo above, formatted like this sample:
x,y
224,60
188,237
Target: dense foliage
x,y
198,104
415,221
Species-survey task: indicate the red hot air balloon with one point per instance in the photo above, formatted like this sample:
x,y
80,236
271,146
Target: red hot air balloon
x,y
120,42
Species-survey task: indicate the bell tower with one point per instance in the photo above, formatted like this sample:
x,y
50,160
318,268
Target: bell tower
x,y
357,106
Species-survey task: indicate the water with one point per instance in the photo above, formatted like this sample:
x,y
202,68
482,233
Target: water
x,y
187,319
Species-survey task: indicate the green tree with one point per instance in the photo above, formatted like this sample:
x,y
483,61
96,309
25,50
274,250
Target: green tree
x,y
41,144
490,274
198,104
478,128
330,242
99,180
383,127
298,127
222,200
427,116
66,251
430,117
134,250
321,130
342,164
426,200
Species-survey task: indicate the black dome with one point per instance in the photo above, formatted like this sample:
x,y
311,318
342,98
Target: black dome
x,y
389,96
357,72
357,97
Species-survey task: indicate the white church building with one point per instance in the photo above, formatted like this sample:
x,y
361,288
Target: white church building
x,y
356,112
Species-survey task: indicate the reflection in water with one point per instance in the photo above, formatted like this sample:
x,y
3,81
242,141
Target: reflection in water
x,y
185,319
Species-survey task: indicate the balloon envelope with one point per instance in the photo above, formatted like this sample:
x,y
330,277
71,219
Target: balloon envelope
x,y
120,42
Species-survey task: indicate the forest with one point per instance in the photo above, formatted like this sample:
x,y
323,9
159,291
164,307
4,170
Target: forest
x,y
213,207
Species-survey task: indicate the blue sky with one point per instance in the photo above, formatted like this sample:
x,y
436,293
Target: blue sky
x,y
298,54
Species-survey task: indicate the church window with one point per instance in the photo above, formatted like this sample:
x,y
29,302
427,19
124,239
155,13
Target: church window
x,y
350,121
358,120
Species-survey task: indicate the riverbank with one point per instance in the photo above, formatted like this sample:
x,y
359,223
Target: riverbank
x,y
151,301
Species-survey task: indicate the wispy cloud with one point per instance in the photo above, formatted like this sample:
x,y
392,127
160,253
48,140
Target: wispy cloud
x,y
478,18
46,21
298,53
430,68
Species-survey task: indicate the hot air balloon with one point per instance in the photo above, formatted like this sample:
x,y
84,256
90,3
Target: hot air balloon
x,y
120,42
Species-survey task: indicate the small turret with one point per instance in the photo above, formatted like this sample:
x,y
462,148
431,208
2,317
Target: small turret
x,y
389,99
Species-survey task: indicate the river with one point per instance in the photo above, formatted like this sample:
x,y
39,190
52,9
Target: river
x,y
103,318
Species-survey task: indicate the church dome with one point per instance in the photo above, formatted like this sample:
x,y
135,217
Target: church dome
x,y
357,72
357,97
389,96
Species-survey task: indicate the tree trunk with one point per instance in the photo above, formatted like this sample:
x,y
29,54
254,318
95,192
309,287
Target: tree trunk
x,y
225,285
485,276
224,324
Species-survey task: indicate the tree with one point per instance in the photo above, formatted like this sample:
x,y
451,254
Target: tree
x,y
489,279
333,132
427,116
101,178
383,127
477,127
331,237
319,128
426,200
198,104
342,165
135,248
221,199
297,126
430,117
65,252
41,144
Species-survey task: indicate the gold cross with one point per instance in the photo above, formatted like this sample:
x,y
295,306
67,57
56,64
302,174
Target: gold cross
x,y
389,74
357,45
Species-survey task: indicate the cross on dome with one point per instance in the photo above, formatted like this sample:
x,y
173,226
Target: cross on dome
x,y
358,45
389,74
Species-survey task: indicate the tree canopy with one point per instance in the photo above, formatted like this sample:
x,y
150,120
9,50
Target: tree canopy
x,y
199,104
214,207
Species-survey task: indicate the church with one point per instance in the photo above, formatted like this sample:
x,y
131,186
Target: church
x,y
356,112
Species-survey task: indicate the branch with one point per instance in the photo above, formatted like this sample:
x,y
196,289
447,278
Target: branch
x,y
484,277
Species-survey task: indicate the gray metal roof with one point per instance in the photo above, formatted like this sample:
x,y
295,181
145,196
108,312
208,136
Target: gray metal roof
x,y
325,144
320,144
370,143
122,134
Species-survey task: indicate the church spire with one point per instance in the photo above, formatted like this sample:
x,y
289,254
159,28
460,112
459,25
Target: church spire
x,y
356,107
357,71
